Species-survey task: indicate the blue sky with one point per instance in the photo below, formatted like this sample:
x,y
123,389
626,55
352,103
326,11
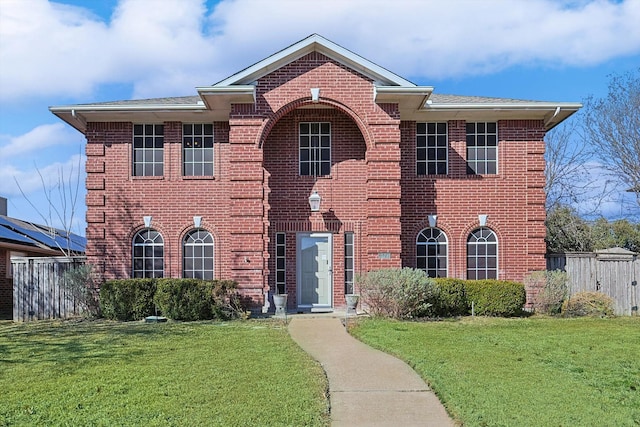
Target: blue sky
x,y
83,51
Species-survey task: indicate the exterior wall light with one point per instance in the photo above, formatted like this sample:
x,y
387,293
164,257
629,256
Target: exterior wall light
x,y
147,221
315,94
314,201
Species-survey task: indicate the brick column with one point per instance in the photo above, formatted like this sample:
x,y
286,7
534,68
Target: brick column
x,y
246,213
383,228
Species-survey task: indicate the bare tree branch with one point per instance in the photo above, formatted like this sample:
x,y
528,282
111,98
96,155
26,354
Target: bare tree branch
x,y
612,128
570,178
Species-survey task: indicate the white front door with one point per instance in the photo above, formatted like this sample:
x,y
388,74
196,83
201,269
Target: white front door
x,y
314,270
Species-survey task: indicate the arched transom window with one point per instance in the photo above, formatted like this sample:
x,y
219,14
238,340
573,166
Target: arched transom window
x,y
198,255
482,254
148,254
431,252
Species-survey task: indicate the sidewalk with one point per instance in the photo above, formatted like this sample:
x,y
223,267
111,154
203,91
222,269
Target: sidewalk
x,y
367,387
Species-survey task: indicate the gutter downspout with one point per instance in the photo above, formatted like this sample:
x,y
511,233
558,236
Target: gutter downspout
x,y
555,114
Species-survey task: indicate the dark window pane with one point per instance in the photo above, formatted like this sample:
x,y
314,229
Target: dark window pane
x,y
492,127
422,169
304,168
471,128
442,127
421,128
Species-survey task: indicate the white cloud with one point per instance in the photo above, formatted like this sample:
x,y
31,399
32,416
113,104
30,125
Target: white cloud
x,y
167,47
36,179
43,136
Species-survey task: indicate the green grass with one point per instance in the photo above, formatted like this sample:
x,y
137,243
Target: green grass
x,y
523,372
174,374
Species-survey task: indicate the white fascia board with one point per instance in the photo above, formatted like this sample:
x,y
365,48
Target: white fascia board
x,y
312,43
124,107
505,106
246,93
397,91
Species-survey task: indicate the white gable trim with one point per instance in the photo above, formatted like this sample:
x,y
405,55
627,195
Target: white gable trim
x,y
317,43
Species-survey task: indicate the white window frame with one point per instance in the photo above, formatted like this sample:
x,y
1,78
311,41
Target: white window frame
x,y
432,136
478,161
482,240
431,241
197,149
311,150
204,240
148,149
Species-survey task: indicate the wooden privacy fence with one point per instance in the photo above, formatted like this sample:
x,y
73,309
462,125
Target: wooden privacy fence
x,y
614,272
39,290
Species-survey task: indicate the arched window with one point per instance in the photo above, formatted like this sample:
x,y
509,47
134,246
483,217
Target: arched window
x,y
482,254
431,252
198,255
148,254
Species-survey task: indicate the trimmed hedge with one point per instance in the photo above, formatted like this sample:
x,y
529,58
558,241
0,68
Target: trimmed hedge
x,y
193,299
127,299
496,297
177,299
409,293
396,293
450,297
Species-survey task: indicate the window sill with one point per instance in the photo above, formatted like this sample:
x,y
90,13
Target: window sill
x,y
147,178
198,177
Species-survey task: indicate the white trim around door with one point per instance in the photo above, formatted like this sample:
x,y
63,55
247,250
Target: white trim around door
x,y
314,266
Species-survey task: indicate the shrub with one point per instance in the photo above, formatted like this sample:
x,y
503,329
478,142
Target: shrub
x,y
496,297
127,299
397,293
552,290
193,299
594,304
450,297
82,282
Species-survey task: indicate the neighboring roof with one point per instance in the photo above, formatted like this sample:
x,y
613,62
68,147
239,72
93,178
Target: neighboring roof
x,y
213,103
18,234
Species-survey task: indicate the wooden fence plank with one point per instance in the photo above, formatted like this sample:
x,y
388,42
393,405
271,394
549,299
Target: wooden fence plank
x,y
610,272
39,288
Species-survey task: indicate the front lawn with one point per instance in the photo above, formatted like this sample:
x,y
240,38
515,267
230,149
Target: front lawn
x,y
523,372
174,374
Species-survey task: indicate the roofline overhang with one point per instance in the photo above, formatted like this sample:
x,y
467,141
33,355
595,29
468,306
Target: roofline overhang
x,y
33,249
76,115
552,113
319,44
220,97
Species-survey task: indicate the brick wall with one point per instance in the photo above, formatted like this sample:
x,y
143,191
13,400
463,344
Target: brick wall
x,y
513,199
256,190
6,286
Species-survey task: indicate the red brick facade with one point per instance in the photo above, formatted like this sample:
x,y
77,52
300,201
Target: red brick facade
x,y
6,286
373,190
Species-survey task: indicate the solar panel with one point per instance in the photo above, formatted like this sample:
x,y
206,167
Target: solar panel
x,y
52,238
6,234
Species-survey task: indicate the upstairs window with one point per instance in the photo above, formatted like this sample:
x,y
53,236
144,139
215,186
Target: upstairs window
x,y
197,149
432,148
315,149
148,150
482,148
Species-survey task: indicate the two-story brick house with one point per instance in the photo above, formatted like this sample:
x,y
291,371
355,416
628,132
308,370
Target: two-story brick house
x,y
219,185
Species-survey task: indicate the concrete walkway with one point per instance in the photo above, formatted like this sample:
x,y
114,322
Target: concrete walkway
x,y
367,387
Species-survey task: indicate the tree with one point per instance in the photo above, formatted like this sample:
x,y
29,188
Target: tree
x,y
621,233
569,178
612,128
567,231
